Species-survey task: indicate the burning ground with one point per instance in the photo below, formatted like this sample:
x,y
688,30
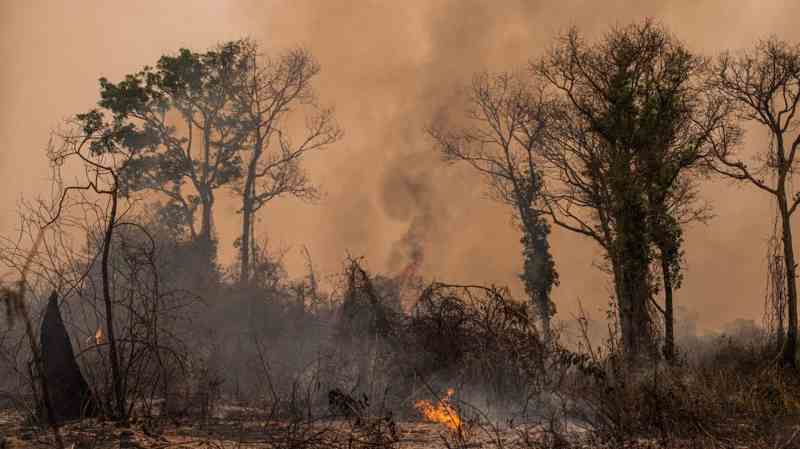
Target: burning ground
x,y
152,301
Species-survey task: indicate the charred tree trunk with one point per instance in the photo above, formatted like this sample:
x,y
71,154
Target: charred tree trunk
x,y
207,217
249,207
632,275
248,211
246,237
206,193
16,302
113,352
790,344
68,391
669,320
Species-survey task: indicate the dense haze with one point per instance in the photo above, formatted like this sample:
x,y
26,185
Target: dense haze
x,y
389,70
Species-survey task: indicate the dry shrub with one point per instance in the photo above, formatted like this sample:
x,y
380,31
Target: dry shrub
x,y
734,394
478,336
742,386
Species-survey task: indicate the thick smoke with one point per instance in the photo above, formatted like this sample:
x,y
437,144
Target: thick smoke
x,y
390,68
408,197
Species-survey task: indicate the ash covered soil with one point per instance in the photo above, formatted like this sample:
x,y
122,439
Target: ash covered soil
x,y
249,432
236,432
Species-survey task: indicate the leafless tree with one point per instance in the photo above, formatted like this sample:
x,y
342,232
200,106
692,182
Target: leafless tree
x,y
96,147
502,142
764,84
268,96
17,307
44,256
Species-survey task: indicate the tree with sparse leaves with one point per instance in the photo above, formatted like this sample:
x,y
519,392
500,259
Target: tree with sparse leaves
x,y
501,143
103,149
764,85
183,109
269,93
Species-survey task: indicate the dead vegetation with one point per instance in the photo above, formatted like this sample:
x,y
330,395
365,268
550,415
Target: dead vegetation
x,y
178,351
507,389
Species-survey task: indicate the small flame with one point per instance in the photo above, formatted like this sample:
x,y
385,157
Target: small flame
x,y
98,336
443,412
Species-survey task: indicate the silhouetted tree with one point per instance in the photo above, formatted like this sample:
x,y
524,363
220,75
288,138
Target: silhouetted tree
x,y
369,314
266,95
102,149
628,121
670,210
506,121
194,137
764,84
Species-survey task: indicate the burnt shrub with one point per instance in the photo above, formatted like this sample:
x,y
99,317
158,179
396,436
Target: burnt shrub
x,y
479,336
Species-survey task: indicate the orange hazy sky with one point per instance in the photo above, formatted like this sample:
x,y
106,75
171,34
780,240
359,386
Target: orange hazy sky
x,y
389,68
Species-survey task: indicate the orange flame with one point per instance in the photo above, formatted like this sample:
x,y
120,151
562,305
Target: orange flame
x,y
98,337
443,412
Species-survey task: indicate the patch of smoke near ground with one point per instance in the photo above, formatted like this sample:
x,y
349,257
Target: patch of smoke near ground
x,y
417,80
390,70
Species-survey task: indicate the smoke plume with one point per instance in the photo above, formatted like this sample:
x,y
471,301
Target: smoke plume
x,y
390,68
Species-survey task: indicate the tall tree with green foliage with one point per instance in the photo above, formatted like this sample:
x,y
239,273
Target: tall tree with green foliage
x,y
183,106
628,124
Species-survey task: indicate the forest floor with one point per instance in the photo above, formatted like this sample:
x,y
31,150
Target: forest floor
x,y
246,433
219,434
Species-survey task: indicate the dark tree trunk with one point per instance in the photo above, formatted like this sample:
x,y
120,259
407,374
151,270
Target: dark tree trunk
x,y
207,217
632,275
669,320
69,393
244,245
206,193
633,315
790,345
247,227
539,274
248,209
113,353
